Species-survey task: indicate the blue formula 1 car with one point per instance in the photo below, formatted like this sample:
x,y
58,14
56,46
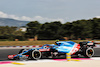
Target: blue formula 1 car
x,y
56,50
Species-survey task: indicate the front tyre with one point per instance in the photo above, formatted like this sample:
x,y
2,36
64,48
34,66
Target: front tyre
x,y
89,52
23,50
36,54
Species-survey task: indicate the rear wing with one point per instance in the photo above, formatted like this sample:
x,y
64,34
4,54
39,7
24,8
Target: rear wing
x,y
89,43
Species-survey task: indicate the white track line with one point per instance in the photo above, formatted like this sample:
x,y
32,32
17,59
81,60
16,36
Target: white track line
x,y
36,61
95,58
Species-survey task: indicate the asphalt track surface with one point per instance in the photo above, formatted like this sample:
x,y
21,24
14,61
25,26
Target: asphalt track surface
x,y
5,52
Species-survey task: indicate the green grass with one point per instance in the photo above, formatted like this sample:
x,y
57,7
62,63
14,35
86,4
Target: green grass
x,y
39,42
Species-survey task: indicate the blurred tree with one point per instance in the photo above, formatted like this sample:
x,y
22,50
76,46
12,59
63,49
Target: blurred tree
x,y
67,30
82,29
32,29
6,32
55,30
96,28
50,30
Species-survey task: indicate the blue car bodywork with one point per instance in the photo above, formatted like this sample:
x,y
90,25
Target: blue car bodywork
x,y
61,46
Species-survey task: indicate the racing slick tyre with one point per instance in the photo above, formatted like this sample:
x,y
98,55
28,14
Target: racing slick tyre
x,y
88,52
22,50
36,54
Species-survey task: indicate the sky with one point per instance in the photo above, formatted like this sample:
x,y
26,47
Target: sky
x,y
50,10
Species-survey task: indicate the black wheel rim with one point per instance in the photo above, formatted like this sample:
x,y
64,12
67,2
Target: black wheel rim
x,y
36,54
90,52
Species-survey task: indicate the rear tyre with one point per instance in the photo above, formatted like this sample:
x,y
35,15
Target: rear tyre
x,y
89,52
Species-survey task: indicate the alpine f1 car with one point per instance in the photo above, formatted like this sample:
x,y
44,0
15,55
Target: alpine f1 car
x,y
56,50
